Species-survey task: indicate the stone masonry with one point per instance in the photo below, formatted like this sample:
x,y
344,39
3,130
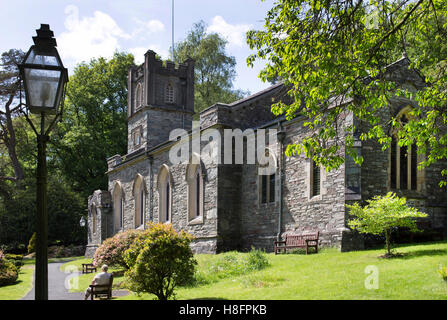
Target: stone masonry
x,y
233,216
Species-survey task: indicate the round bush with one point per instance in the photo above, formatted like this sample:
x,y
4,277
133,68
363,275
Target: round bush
x,y
8,272
160,259
112,249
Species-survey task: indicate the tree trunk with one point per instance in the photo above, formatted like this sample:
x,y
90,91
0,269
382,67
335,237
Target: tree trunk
x,y
9,138
387,241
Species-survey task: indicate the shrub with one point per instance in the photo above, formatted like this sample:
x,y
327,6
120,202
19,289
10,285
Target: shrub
x,y
111,251
256,260
382,215
8,272
160,259
32,243
443,272
16,259
232,264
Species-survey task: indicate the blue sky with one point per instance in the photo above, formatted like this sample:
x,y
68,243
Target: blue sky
x,y
85,28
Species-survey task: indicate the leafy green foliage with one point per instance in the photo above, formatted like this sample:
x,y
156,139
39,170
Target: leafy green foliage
x,y
382,214
231,264
214,69
32,243
329,53
160,259
443,272
65,208
94,125
9,109
8,271
111,251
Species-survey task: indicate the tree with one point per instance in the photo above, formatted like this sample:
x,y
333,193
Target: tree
x,y
94,125
160,259
328,52
382,215
214,69
9,109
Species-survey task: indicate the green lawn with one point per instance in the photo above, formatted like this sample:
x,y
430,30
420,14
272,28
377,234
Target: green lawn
x,y
79,284
329,275
23,285
25,281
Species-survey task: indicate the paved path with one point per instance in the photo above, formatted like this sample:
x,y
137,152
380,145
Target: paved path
x,y
58,283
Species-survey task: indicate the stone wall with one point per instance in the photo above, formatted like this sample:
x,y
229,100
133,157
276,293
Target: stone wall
x,y
99,205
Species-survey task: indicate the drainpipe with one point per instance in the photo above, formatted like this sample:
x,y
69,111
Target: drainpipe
x,y
281,137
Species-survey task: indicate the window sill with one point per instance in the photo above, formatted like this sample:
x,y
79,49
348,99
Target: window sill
x,y
316,198
267,204
195,221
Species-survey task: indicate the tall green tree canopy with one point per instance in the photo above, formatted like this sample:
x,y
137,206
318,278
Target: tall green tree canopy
x,y
94,124
325,49
214,68
18,159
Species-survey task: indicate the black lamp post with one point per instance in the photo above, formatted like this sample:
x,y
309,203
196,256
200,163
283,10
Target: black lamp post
x,y
44,78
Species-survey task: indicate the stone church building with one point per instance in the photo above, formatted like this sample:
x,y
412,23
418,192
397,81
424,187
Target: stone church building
x,y
233,204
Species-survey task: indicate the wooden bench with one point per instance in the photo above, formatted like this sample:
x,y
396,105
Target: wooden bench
x,y
88,268
308,240
102,291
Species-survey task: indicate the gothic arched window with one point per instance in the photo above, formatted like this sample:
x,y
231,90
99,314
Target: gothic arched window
x,y
139,196
164,184
194,179
118,207
403,162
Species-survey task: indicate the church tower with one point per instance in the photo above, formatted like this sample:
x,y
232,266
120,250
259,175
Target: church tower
x,y
160,99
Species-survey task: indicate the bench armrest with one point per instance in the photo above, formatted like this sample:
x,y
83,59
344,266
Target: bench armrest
x,y
277,242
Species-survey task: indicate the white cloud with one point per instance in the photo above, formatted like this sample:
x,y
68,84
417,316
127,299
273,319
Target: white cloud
x,y
139,52
89,37
235,34
148,27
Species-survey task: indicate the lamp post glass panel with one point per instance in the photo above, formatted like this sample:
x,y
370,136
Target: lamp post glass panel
x,y
44,78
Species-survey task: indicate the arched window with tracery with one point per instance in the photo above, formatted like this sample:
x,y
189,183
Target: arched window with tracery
x,y
403,159
164,185
118,207
194,179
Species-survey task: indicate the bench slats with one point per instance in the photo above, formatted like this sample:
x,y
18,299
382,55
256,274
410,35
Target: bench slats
x,y
298,241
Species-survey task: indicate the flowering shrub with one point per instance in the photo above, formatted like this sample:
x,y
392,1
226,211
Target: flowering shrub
x,y
8,272
112,250
160,259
